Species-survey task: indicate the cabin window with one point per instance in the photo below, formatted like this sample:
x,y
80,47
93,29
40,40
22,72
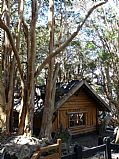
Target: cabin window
x,y
77,119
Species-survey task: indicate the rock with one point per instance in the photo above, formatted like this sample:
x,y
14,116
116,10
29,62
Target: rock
x,y
22,147
8,156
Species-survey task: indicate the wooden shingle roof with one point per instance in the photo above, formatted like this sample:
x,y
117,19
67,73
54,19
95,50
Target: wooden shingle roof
x,y
102,105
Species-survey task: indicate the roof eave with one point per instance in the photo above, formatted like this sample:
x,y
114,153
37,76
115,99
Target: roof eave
x,y
77,87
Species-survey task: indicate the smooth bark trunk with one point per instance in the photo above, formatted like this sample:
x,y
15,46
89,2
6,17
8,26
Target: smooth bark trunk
x,y
46,127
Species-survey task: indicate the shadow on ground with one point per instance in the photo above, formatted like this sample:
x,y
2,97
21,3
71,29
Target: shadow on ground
x,y
90,140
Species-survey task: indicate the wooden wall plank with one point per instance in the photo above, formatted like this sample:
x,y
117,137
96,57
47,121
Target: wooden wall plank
x,y
79,103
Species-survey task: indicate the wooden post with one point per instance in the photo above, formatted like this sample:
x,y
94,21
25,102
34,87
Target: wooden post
x,y
56,155
59,142
108,148
100,140
36,155
78,151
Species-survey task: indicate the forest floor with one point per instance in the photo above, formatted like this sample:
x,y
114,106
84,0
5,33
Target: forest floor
x,y
4,138
86,141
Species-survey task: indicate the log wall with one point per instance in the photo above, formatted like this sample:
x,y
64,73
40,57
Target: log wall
x,y
80,102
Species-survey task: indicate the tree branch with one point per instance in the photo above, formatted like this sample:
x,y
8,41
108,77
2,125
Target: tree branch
x,y
73,35
6,29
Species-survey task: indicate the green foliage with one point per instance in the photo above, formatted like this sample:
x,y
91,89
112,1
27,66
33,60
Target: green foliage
x,y
69,2
76,43
92,65
105,56
90,46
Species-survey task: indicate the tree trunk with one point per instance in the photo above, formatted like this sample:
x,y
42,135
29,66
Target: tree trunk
x,y
46,127
10,98
31,71
22,114
23,111
2,102
8,77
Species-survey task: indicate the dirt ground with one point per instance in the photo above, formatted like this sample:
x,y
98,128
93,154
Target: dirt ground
x,y
88,140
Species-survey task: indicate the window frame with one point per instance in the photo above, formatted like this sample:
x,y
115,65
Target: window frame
x,y
74,120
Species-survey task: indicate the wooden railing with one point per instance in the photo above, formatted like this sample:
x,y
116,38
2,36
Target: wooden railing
x,y
52,151
79,153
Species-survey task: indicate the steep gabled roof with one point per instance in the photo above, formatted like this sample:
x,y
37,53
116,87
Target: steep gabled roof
x,y
83,84
63,92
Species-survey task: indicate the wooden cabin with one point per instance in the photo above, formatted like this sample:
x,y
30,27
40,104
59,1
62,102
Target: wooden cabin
x,y
78,109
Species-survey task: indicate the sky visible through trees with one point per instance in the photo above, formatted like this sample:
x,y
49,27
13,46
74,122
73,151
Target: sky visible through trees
x,y
82,38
